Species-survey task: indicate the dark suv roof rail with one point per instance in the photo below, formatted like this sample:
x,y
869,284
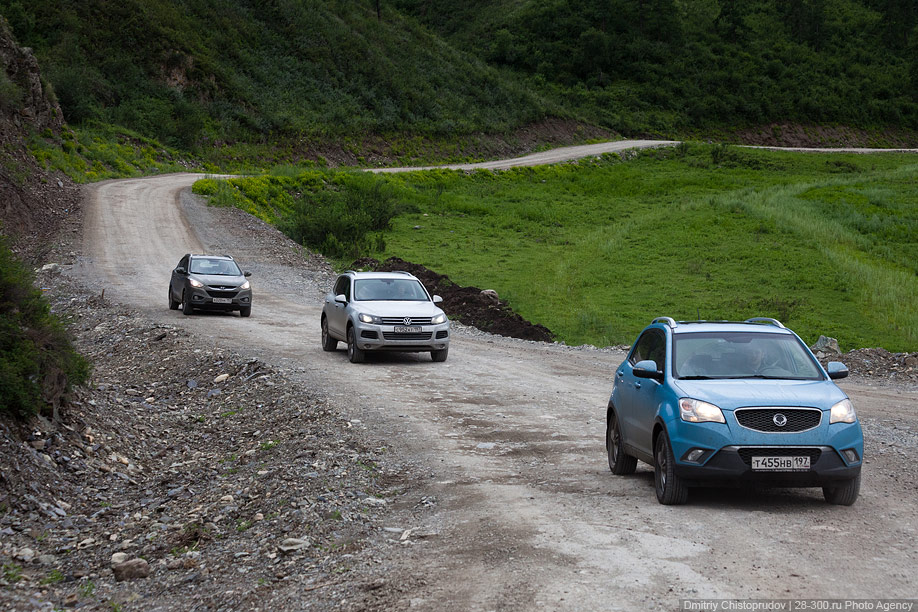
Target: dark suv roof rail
x,y
668,320
766,320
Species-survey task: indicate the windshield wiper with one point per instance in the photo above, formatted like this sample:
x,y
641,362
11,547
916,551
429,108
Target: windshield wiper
x,y
761,376
699,377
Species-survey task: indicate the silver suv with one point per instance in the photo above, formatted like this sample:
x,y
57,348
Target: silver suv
x,y
383,311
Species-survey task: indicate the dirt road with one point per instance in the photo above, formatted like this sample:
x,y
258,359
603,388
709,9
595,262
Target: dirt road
x,y
519,509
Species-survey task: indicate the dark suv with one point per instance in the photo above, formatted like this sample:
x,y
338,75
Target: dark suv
x,y
210,282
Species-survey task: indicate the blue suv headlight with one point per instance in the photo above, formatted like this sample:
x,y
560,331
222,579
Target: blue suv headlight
x,y
697,411
843,412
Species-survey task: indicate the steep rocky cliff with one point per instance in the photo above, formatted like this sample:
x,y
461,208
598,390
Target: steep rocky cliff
x,y
33,201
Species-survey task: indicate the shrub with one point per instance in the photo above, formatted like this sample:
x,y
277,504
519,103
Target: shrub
x,y
37,360
10,93
343,221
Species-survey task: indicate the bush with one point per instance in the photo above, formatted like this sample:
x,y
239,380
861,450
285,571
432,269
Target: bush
x,y
37,360
10,93
344,221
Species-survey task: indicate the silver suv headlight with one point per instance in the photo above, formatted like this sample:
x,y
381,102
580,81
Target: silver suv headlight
x,y
440,318
366,318
843,412
696,411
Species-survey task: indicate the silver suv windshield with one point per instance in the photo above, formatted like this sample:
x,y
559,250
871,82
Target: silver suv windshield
x,y
712,355
217,267
389,289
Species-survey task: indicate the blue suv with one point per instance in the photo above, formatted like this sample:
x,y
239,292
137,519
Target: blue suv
x,y
723,403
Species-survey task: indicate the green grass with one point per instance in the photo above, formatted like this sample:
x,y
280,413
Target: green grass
x,y
100,152
595,249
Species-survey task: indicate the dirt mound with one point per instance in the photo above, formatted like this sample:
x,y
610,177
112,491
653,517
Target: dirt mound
x,y
469,305
878,363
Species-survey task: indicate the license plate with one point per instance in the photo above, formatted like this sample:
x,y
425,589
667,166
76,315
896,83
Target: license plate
x,y
781,464
223,300
401,329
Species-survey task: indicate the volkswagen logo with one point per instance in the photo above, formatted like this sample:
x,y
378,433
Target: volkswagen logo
x,y
780,420
407,321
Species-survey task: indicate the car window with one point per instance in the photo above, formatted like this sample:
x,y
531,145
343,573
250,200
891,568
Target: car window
x,y
389,289
219,267
651,345
343,287
742,355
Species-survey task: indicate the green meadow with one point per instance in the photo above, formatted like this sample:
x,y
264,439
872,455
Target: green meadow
x,y
595,249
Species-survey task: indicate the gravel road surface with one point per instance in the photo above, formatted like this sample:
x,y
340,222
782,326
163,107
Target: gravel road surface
x,y
520,511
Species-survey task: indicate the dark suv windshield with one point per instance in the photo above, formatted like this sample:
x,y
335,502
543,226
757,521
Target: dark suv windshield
x,y
398,289
219,267
702,355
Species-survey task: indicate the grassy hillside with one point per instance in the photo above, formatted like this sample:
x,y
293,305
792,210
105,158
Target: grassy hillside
x,y
201,73
594,250
293,76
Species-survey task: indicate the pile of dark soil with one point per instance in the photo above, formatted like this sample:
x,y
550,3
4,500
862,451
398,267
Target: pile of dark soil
x,y
469,305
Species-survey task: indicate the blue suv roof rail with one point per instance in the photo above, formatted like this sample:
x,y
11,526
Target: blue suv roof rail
x,y
766,320
668,320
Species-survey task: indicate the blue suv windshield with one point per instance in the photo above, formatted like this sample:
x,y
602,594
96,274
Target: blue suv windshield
x,y
716,355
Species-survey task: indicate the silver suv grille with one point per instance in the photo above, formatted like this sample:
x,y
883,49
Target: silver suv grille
x,y
778,419
406,320
395,336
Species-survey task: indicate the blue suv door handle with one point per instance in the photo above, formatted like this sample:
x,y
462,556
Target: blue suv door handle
x,y
637,385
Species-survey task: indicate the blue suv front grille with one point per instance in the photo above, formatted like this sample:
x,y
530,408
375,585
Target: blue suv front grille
x,y
778,419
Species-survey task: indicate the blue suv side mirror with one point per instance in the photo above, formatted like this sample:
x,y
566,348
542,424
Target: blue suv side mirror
x,y
836,370
648,369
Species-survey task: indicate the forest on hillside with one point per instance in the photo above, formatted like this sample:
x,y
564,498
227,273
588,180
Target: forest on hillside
x,y
191,73
694,63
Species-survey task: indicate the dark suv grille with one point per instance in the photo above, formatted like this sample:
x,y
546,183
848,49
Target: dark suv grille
x,y
749,452
401,321
221,294
767,419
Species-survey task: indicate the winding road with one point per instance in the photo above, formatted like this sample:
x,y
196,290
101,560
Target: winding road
x,y
507,438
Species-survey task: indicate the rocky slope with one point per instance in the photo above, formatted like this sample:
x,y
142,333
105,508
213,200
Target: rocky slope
x,y
33,202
